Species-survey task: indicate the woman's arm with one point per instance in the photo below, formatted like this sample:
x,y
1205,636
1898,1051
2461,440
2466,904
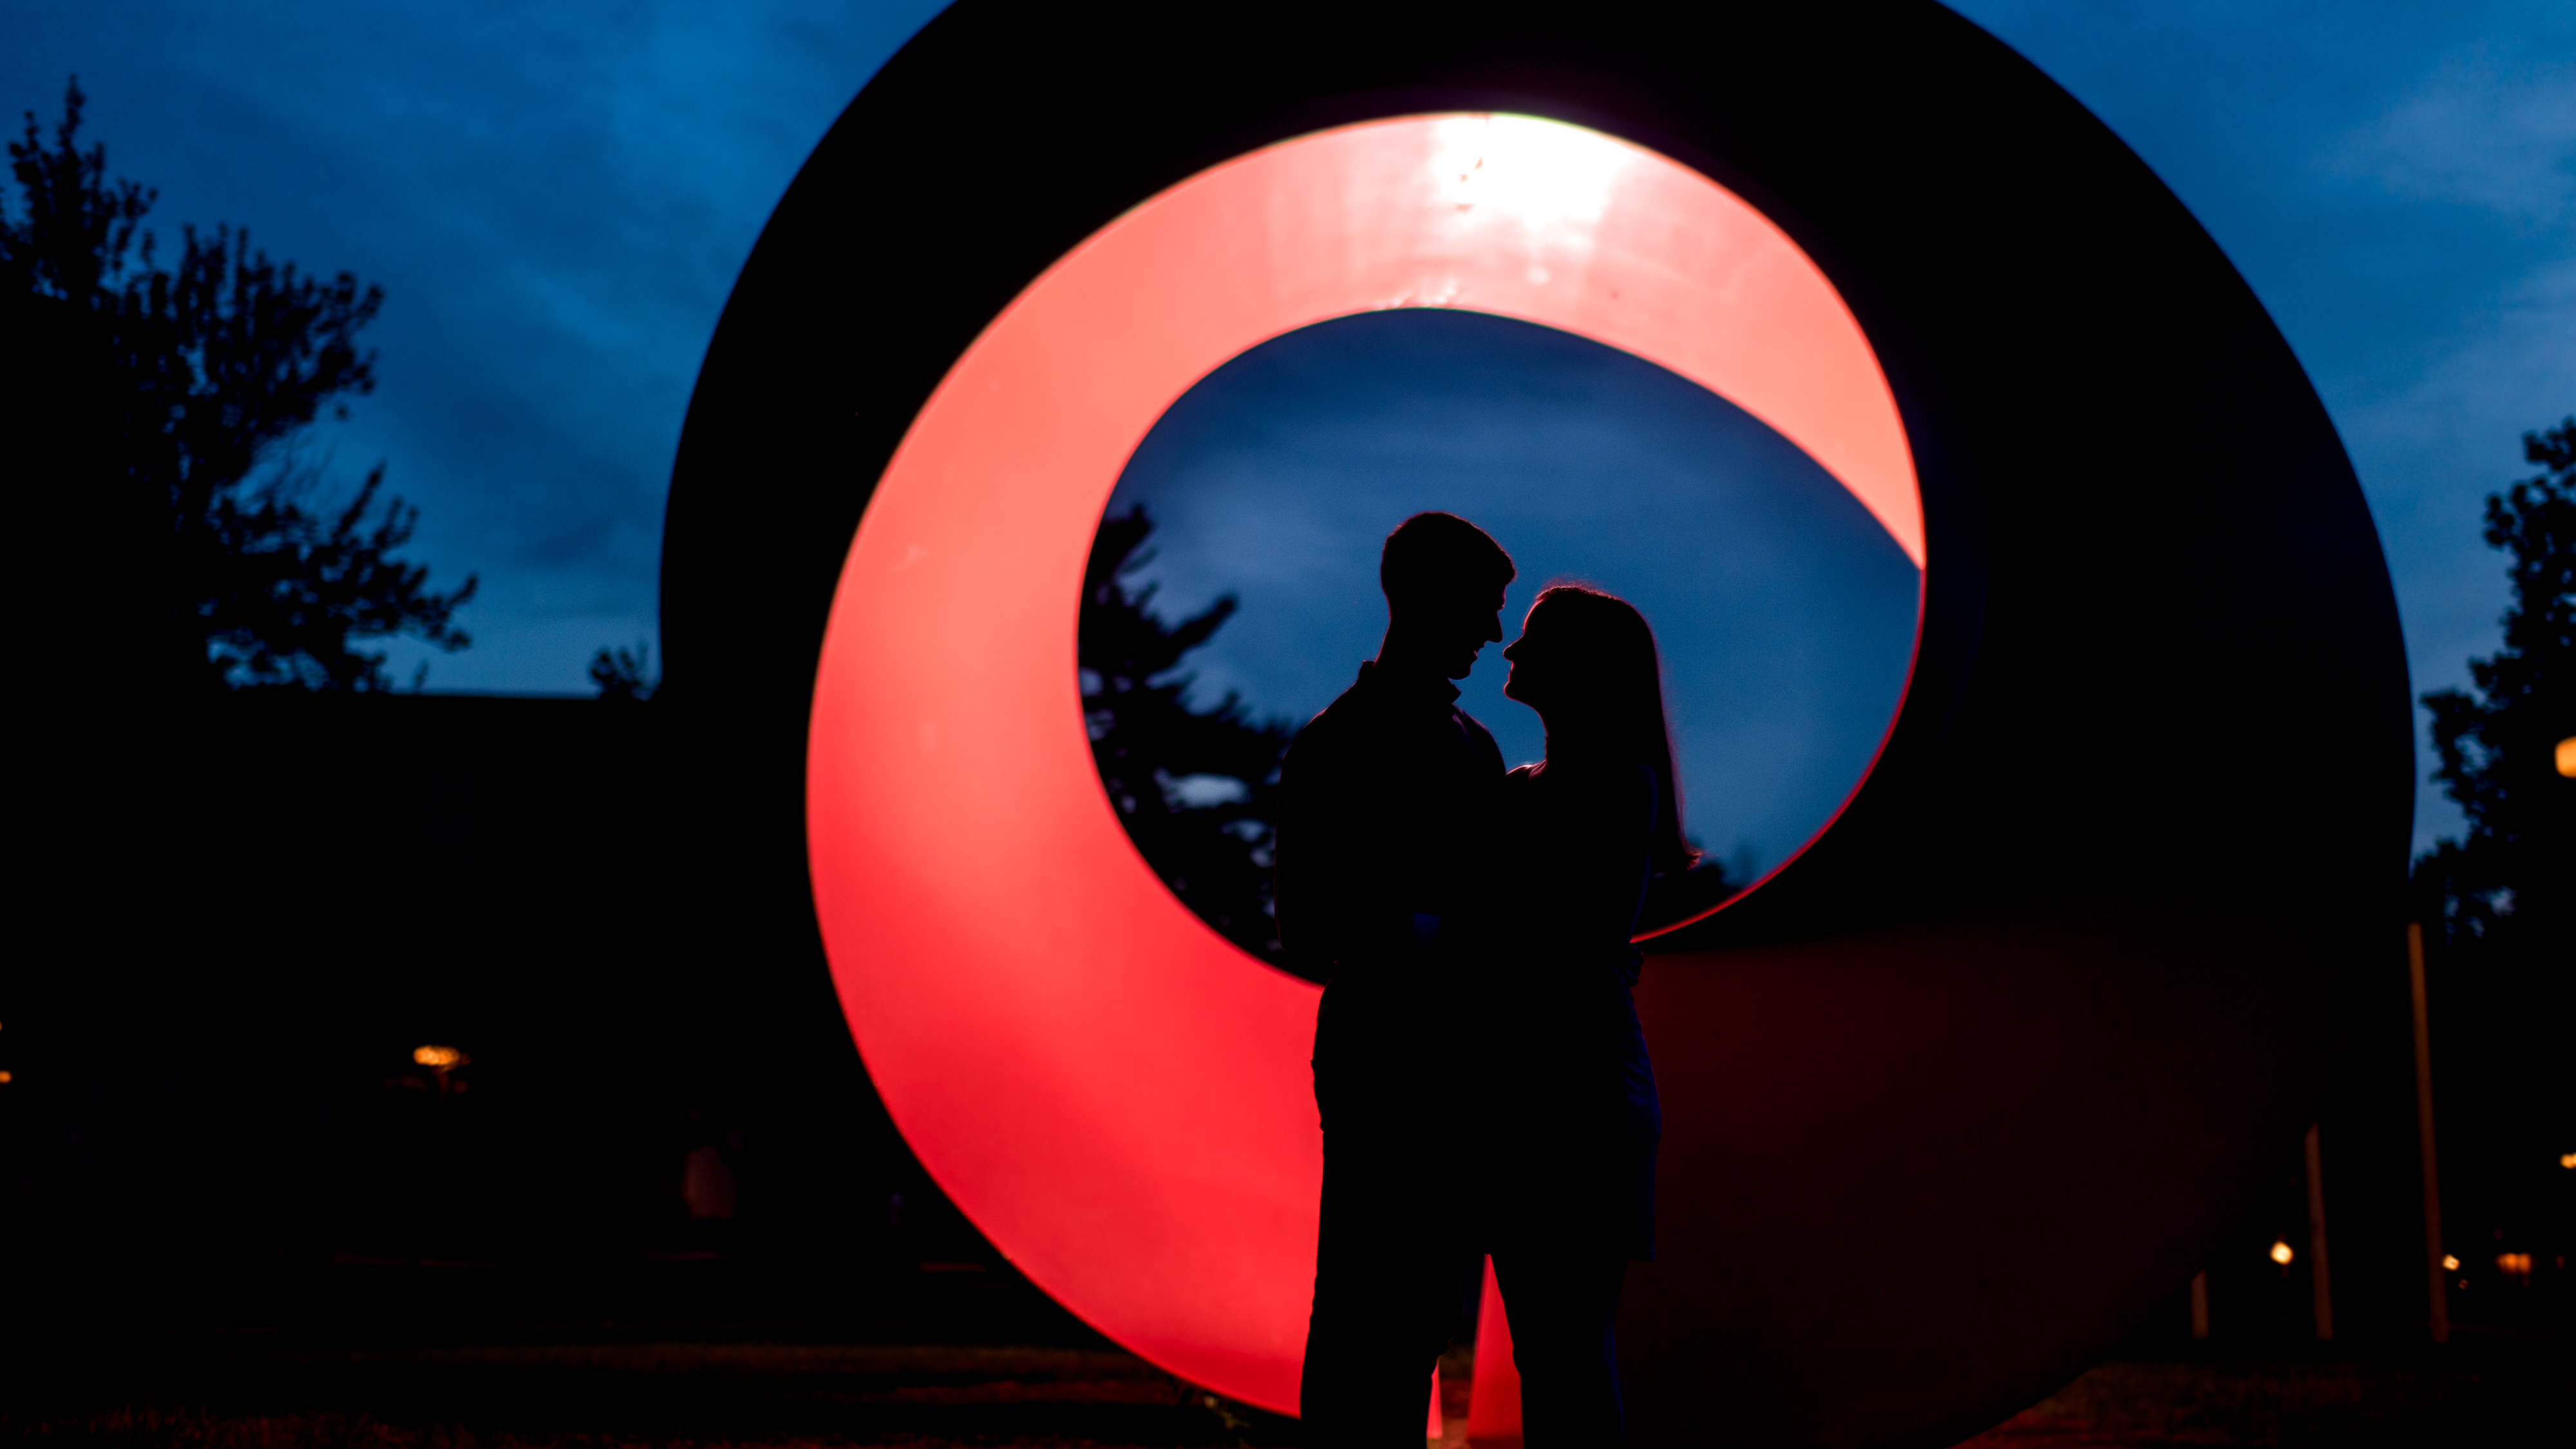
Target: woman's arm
x,y
1589,852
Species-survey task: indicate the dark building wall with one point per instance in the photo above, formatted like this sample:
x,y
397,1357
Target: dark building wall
x,y
245,913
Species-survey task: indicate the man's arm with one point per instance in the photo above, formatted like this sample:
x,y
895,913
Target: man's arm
x,y
1331,882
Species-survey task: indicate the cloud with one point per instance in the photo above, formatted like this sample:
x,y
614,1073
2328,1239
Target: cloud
x,y
2467,176
2480,130
2431,450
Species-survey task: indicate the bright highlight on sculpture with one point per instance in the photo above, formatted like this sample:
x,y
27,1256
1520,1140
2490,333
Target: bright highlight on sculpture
x,y
1156,1166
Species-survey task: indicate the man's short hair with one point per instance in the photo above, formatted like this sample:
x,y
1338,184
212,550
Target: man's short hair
x,y
1434,554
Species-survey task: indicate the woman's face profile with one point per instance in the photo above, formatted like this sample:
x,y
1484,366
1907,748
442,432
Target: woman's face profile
x,y
1533,659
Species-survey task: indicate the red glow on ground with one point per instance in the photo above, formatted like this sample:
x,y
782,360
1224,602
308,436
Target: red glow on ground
x,y
1117,1096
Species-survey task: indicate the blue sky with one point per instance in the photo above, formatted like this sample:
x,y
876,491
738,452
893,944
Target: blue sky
x,y
556,198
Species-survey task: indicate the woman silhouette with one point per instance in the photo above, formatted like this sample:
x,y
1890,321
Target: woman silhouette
x,y
1574,1138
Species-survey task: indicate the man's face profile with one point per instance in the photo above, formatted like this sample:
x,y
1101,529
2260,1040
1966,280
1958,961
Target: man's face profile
x,y
1444,580
1459,624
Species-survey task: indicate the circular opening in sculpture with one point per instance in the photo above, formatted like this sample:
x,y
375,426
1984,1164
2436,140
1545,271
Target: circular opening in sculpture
x,y
1233,586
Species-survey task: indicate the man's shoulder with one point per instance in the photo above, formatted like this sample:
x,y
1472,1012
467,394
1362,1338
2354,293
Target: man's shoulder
x,y
1330,729
1347,707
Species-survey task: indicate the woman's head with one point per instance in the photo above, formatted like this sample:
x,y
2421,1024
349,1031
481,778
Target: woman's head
x,y
1586,661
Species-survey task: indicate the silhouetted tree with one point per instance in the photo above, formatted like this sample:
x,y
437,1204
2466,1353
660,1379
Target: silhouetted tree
x,y
2500,905
260,574
623,673
1198,790
2513,880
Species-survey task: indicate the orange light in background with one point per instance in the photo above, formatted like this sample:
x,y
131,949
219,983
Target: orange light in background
x,y
2515,1266
2450,1262
439,1058
2567,757
2567,1160
2281,1253
6,1078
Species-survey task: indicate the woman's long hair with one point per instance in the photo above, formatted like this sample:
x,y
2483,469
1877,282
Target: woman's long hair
x,y
1621,675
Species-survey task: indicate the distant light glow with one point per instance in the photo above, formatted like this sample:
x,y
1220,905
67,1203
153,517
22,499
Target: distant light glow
x,y
2567,1160
2450,1262
2567,757
2281,1253
6,1078
2515,1266
438,1058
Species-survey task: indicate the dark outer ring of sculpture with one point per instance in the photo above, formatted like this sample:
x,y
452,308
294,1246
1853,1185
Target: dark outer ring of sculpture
x,y
1980,1031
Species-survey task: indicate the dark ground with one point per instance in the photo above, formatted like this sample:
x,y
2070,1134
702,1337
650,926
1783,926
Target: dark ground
x,y
611,1386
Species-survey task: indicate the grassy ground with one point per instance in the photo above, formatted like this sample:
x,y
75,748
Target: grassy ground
x,y
235,1392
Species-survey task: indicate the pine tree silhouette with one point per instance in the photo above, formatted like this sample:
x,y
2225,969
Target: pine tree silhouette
x,y
1198,790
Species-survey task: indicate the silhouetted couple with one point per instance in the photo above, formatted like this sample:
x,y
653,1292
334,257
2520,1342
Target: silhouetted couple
x,y
1454,902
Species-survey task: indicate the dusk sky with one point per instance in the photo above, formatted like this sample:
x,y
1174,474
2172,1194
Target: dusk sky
x,y
556,199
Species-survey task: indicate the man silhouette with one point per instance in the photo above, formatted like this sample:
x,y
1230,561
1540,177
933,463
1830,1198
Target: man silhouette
x,y
1384,800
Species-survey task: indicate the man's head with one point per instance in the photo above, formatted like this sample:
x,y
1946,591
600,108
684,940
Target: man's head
x,y
1444,580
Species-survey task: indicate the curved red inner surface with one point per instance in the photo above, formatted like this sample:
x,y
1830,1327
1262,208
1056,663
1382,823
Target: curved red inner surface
x,y
1113,1093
